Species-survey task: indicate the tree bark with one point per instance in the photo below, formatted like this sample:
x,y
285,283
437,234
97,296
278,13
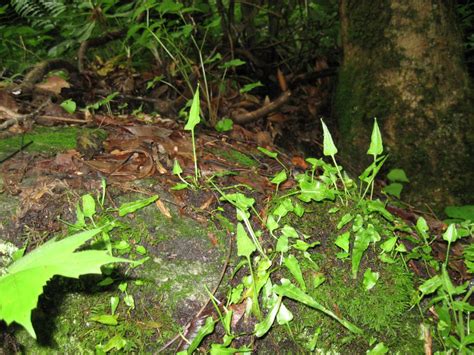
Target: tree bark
x,y
403,63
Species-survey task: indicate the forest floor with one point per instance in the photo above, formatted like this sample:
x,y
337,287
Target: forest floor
x,y
192,267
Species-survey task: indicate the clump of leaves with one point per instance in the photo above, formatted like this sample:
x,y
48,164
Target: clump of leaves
x,y
24,280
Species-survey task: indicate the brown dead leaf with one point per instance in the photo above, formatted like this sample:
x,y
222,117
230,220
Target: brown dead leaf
x,y
299,162
282,80
163,209
207,203
53,84
212,237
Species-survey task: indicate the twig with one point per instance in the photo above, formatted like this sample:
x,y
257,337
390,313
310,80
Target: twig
x,y
20,118
262,111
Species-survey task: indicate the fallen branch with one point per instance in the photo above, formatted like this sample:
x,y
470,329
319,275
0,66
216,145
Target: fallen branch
x,y
262,111
17,119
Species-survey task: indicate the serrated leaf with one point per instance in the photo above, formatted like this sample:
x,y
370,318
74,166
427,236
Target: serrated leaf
x,y
25,279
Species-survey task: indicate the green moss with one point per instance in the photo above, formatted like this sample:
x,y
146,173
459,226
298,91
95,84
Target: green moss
x,y
235,156
367,21
45,140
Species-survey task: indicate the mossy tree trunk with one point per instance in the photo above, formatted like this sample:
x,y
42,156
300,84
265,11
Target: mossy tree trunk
x,y
403,63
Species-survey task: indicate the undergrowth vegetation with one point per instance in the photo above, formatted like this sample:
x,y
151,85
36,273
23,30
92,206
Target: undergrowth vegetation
x,y
322,266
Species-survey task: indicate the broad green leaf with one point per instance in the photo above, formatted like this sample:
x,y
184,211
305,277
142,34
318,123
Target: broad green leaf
x,y
180,186
461,212
344,220
287,289
451,234
250,87
245,246
389,244
114,302
293,265
177,168
271,223
284,315
289,231
283,208
240,200
379,206
362,240
379,349
279,178
376,145
370,279
69,106
282,244
205,330
431,285
193,118
342,241
394,189
232,64
116,343
315,190
303,246
268,152
224,125
106,319
88,206
397,175
130,207
299,210
25,278
329,148
264,326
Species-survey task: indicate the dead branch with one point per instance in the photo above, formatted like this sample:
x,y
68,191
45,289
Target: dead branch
x,y
17,119
262,111
37,73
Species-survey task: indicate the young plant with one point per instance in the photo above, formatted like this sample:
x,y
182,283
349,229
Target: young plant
x,y
329,149
375,149
193,120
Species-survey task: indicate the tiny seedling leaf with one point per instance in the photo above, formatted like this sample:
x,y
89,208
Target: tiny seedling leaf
x,y
394,189
224,125
177,170
69,106
279,178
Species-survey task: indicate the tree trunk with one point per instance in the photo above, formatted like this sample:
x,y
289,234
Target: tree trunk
x,y
403,63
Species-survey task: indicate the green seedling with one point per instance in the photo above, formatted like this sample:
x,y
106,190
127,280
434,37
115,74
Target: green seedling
x,y
279,178
193,120
104,102
375,149
273,155
329,149
177,170
249,87
223,125
69,106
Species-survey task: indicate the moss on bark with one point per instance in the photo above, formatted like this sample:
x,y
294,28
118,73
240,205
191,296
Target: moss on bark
x,y
403,65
